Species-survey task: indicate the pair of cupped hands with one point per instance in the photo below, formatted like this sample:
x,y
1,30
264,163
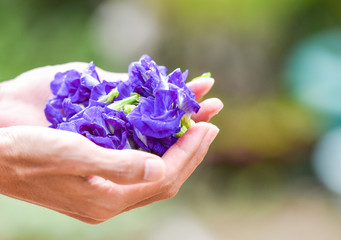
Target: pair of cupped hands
x,y
67,173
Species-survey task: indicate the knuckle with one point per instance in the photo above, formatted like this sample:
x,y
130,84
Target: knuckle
x,y
97,214
169,185
100,210
166,187
92,221
103,216
170,189
171,193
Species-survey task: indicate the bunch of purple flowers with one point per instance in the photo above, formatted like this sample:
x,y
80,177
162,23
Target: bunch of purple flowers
x,y
149,111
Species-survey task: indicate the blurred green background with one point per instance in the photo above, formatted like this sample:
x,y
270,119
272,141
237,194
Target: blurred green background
x,y
273,171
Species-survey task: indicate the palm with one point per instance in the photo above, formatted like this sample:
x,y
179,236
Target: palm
x,y
24,100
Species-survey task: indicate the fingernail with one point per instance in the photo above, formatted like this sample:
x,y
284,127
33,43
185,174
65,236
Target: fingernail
x,y
218,106
154,169
208,80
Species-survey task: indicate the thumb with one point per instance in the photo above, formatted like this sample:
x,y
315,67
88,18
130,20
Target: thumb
x,y
127,166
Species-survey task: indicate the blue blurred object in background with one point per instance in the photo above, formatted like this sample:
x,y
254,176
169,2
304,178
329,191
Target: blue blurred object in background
x,y
314,73
314,76
327,160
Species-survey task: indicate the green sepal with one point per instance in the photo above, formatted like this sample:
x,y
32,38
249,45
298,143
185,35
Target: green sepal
x,y
182,131
118,105
185,123
109,98
128,108
204,75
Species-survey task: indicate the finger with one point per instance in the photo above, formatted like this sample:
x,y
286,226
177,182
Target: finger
x,y
181,153
126,166
198,156
201,86
208,109
187,171
176,159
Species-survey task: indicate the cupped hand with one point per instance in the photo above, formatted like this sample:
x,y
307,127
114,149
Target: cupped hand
x,y
68,173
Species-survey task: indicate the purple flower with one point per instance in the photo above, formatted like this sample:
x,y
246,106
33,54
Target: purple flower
x,y
119,127
146,76
74,85
105,127
65,83
155,145
107,92
72,91
186,97
160,145
53,115
150,111
70,109
157,117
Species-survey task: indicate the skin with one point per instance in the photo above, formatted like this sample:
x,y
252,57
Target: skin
x,y
67,173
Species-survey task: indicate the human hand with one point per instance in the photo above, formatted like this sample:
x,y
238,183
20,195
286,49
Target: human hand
x,y
69,175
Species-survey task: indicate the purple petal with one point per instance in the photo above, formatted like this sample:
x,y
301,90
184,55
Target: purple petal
x,y
156,117
70,109
53,115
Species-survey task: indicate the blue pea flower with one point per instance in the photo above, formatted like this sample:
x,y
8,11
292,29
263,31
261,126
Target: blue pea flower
x,y
161,145
105,127
155,145
157,117
149,111
146,76
65,84
53,115
72,91
107,92
75,85
70,109
186,97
